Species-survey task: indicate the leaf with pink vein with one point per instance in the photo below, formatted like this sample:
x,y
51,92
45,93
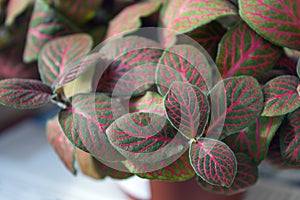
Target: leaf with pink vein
x,y
59,53
24,93
185,15
277,21
244,103
290,139
213,161
187,109
146,137
85,122
243,52
246,176
254,140
128,20
184,63
281,95
45,25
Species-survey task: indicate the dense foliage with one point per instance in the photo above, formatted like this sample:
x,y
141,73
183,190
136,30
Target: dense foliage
x,y
160,107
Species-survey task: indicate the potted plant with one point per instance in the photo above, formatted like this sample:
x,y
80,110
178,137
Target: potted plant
x,y
207,94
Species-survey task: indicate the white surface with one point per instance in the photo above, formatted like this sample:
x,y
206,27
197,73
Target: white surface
x,y
30,169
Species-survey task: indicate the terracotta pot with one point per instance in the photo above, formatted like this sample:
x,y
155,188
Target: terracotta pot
x,y
190,190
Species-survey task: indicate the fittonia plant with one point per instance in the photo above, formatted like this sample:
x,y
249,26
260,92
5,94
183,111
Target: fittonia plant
x,y
156,107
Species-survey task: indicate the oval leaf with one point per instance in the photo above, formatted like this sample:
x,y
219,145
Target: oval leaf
x,y
150,102
61,144
91,167
290,139
213,161
147,138
254,141
257,57
129,19
186,15
187,109
24,93
180,170
183,63
59,53
130,67
85,123
45,25
281,96
282,29
244,101
246,176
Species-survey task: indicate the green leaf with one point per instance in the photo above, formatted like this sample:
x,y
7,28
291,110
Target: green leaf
x,y
45,25
281,28
281,95
150,102
184,63
78,11
14,9
243,52
254,141
179,170
185,15
290,139
187,109
128,20
147,138
59,53
91,167
213,161
61,144
246,176
85,122
24,93
244,102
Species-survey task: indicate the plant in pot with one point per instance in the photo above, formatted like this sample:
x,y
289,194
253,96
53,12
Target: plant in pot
x,y
206,96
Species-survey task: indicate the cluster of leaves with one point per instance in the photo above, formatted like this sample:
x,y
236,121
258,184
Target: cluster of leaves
x,y
177,123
